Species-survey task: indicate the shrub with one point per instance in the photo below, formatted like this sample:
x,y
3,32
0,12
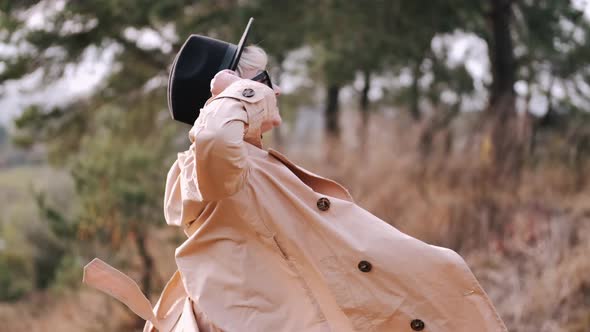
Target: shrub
x,y
16,276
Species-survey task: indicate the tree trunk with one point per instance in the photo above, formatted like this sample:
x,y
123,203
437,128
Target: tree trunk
x,y
439,122
332,111
277,135
509,133
415,93
502,55
364,108
364,103
146,260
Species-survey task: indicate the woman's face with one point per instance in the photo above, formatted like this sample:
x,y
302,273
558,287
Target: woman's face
x,y
275,119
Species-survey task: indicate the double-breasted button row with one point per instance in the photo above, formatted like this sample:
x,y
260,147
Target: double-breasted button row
x,y
415,324
365,266
323,204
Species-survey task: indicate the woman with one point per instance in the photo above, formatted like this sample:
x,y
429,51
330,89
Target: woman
x,y
274,247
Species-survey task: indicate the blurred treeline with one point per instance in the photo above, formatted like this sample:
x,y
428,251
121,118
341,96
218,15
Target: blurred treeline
x,y
112,148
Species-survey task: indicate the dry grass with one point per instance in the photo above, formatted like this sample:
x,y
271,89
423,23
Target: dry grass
x,y
84,310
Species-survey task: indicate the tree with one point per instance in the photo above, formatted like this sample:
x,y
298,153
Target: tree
x,y
3,135
332,39
546,48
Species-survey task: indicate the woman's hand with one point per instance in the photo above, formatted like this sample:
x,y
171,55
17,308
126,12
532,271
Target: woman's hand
x,y
222,80
271,118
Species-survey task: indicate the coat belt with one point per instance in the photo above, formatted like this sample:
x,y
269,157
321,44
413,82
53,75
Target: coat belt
x,y
115,283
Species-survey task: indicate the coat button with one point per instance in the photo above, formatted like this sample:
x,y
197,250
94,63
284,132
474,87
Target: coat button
x,y
323,204
365,266
417,325
248,93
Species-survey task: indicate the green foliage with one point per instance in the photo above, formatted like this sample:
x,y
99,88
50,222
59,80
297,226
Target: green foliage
x,y
119,182
68,274
16,273
549,35
28,234
3,135
48,252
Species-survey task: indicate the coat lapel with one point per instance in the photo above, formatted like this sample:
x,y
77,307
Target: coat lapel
x,y
317,183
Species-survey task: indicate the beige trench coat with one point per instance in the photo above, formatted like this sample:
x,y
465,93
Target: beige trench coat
x,y
274,247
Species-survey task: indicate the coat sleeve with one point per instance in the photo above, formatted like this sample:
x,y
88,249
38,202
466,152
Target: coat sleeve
x,y
215,166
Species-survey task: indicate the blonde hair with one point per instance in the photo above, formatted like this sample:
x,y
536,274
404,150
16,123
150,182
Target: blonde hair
x,y
253,58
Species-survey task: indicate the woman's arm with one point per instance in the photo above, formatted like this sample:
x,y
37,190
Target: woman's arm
x,y
215,165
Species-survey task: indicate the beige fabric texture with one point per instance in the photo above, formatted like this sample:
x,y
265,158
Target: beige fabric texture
x,y
272,246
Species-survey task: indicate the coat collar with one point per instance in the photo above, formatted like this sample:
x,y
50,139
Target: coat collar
x,y
317,183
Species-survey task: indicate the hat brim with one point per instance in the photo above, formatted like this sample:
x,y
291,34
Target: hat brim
x,y
241,44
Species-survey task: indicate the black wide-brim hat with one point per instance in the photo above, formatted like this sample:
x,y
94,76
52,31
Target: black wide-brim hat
x,y
195,65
